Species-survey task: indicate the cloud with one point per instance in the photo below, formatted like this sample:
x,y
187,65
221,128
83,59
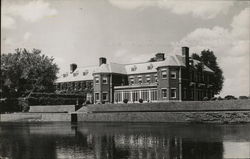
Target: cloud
x,y
26,36
232,48
30,12
7,22
202,9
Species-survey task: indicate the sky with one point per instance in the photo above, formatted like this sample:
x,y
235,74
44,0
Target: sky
x,y
128,31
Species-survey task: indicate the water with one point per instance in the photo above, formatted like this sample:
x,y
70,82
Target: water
x,y
124,140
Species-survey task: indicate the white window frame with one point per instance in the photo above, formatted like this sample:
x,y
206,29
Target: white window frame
x,y
97,80
166,92
148,81
139,79
162,74
104,77
173,73
175,94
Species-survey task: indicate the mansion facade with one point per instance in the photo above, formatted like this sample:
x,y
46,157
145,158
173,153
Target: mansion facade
x,y
163,78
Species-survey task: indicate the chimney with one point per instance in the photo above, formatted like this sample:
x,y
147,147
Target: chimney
x,y
185,53
73,67
159,57
102,60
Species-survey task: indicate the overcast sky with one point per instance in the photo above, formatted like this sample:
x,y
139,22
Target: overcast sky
x,y
125,31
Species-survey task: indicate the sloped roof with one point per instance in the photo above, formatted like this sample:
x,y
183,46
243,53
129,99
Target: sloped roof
x,y
86,73
205,68
80,74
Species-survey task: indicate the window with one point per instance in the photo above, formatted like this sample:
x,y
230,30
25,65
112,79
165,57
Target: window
x,y
96,80
105,96
164,74
105,80
148,79
145,95
164,93
85,72
135,95
173,92
127,95
154,94
139,80
118,96
131,80
156,78
150,67
97,96
133,68
173,75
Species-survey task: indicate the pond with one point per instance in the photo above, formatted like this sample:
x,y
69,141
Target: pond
x,y
123,140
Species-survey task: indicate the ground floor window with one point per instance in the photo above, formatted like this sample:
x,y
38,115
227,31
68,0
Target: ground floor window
x,y
145,95
127,95
135,95
118,96
173,92
97,96
104,96
154,94
164,93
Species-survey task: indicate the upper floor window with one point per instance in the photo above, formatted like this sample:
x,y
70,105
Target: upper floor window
x,y
164,93
164,74
148,79
105,80
173,92
139,80
96,80
156,78
173,74
131,80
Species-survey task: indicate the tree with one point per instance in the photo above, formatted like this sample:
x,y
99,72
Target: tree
x,y
195,56
209,59
24,72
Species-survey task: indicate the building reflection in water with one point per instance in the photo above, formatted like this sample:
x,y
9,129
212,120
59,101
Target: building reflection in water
x,y
114,141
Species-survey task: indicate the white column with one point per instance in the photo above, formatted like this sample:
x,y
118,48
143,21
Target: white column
x,y
140,94
131,94
122,95
149,94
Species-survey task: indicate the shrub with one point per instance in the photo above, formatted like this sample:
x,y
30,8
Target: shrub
x,y
87,102
125,101
205,98
243,97
230,97
219,98
141,100
213,98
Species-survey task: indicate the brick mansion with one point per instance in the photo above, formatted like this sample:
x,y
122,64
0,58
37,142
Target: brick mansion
x,y
163,78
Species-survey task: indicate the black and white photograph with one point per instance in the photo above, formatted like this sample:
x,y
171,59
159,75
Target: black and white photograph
x,y
125,79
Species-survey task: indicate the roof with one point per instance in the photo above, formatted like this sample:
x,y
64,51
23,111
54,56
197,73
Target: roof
x,y
205,68
86,73
80,74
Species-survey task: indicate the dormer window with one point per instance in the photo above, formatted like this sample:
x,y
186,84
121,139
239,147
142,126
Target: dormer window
x,y
65,74
133,68
85,72
75,73
150,67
